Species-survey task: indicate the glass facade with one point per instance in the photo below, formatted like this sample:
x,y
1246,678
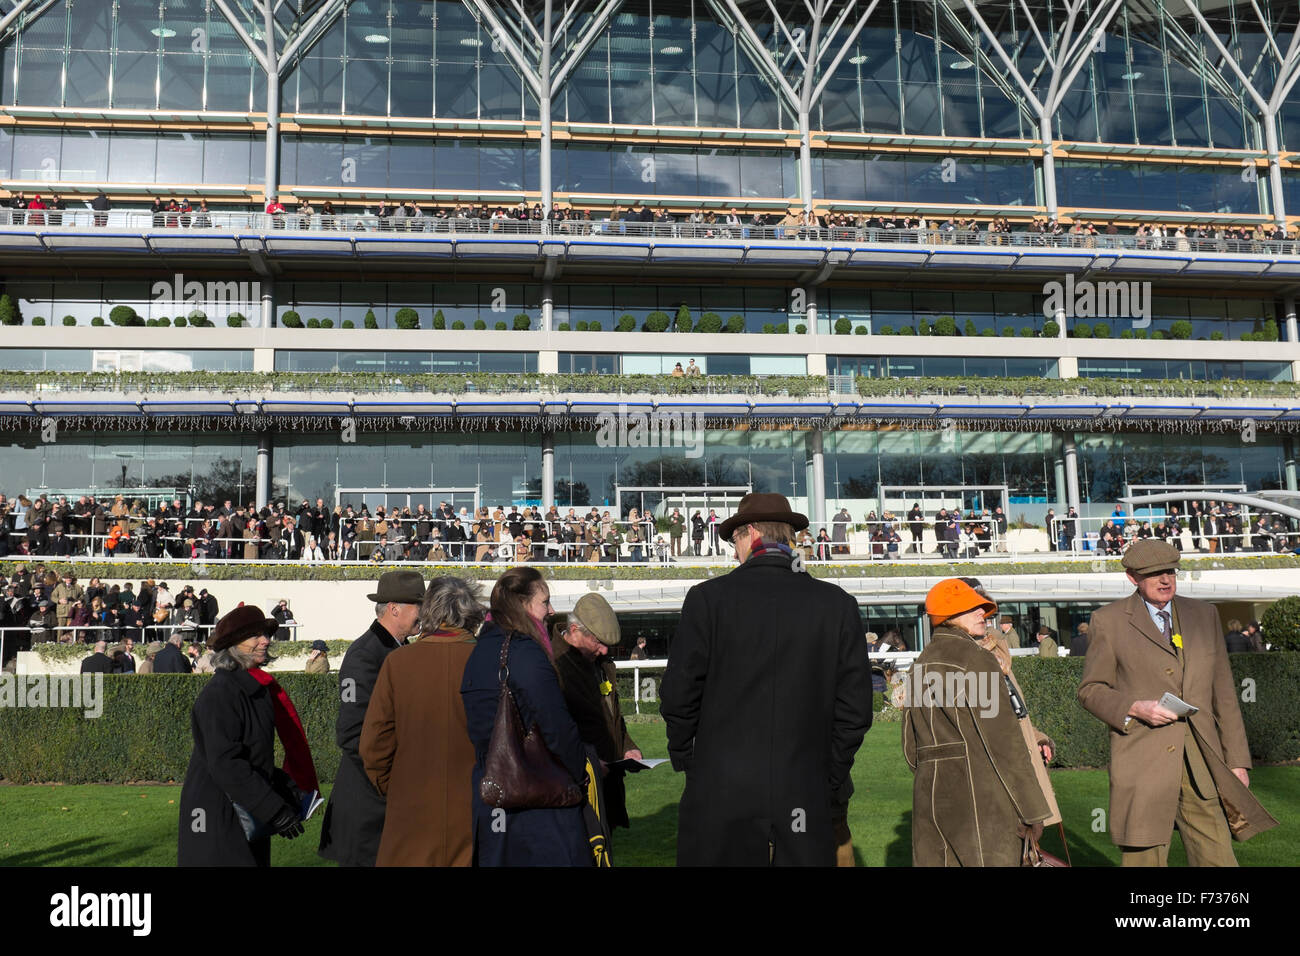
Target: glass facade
x,y
217,466
1107,462
1186,188
132,158
303,360
126,360
916,366
711,364
1201,371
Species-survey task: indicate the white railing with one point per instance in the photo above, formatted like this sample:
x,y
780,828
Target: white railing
x,y
346,221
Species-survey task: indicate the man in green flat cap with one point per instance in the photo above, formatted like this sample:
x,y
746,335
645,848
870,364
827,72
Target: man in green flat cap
x,y
1166,769
581,642
354,819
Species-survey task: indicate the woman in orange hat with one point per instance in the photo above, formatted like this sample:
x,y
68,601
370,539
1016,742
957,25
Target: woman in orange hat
x,y
976,794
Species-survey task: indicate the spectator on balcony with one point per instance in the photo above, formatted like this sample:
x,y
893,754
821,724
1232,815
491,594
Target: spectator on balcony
x,y
275,209
692,370
36,211
678,371
100,206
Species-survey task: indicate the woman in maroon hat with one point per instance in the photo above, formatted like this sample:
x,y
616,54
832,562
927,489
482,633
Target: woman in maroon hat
x,y
234,799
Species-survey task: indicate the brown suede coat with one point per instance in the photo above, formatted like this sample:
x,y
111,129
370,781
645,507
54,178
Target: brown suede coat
x,y
1129,660
417,753
975,782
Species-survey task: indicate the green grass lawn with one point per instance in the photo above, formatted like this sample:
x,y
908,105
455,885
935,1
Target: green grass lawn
x,y
136,826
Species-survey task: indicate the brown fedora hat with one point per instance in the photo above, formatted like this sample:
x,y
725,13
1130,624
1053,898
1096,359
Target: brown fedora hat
x,y
759,506
239,625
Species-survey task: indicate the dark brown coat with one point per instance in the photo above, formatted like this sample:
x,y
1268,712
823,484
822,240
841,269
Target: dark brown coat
x,y
418,755
1129,660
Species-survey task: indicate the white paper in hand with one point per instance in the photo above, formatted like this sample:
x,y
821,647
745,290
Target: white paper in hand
x,y
1176,705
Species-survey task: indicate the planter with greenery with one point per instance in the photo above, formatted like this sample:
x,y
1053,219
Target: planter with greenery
x,y
627,322
406,318
657,322
291,320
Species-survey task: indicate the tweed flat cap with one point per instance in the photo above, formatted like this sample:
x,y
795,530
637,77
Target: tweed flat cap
x,y
1149,555
596,616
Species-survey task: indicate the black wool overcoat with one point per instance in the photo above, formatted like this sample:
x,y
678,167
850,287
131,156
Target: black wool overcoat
x,y
354,818
233,761
767,696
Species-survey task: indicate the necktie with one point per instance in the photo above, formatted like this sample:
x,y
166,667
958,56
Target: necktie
x,y
1165,628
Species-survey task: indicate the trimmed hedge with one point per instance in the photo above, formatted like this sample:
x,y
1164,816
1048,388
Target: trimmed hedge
x,y
144,732
1082,740
363,571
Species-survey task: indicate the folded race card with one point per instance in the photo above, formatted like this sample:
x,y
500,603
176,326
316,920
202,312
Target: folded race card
x,y
1176,705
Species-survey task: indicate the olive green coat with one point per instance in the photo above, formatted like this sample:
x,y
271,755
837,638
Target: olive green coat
x,y
975,782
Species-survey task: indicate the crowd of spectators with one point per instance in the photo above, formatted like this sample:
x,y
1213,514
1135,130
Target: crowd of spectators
x,y
1207,526
641,219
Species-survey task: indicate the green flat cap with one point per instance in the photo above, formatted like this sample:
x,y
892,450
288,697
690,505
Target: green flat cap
x,y
1149,555
595,615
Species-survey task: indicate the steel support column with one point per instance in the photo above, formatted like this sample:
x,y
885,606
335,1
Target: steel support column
x,y
817,493
265,443
1071,454
548,469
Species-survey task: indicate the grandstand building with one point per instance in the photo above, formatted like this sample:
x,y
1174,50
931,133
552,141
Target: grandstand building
x,y
1032,254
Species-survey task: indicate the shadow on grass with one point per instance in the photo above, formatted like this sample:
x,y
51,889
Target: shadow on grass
x,y
75,853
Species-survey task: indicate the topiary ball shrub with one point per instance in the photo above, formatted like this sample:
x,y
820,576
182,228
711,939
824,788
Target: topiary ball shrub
x,y
500,326
150,323
1027,332
235,320
1126,334
1181,330
768,328
627,322
199,320
861,330
458,326
327,323
987,333
800,329
1216,336
1281,624
1158,334
39,320
593,325
887,330
1082,330
406,318
97,321
843,326
69,320
523,323
1051,329
563,327
735,324
122,315
1101,331
180,322
348,324
164,322
906,330
313,323
480,325
657,322
710,323
291,320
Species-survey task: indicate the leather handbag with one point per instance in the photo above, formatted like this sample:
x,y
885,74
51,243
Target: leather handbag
x,y
1031,854
520,772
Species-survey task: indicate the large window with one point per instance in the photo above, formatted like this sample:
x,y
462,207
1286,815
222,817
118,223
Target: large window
x,y
324,360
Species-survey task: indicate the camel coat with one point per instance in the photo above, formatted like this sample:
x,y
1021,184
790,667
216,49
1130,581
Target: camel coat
x,y
418,755
1129,660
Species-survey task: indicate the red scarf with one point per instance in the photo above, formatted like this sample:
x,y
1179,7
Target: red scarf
x,y
288,727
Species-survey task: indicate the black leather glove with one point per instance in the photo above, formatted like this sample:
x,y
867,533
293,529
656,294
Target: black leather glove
x,y
286,823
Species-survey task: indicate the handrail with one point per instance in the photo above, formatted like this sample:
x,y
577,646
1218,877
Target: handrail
x,y
352,223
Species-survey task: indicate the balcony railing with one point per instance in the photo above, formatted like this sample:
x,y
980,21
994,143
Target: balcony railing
x,y
48,220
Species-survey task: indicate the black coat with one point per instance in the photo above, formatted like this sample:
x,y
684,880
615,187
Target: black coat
x,y
767,696
354,819
97,664
528,837
233,722
172,660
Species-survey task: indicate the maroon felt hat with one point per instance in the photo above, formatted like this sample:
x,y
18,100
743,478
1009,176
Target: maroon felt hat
x,y
239,625
760,506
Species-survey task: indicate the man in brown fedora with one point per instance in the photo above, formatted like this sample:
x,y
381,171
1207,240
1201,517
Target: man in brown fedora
x,y
767,696
354,819
1167,770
